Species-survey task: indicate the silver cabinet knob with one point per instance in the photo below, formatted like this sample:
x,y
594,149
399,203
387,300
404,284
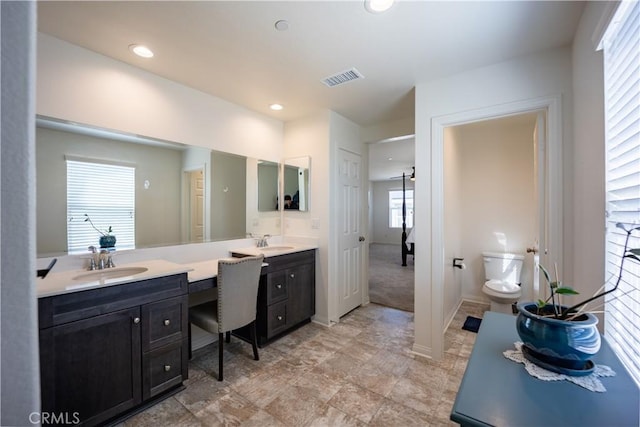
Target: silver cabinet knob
x,y
167,368
136,320
292,275
279,286
167,322
279,317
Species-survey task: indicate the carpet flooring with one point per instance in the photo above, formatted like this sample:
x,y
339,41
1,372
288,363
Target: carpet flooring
x,y
390,284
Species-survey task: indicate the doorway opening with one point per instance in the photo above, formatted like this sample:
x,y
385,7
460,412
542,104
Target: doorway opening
x,y
432,289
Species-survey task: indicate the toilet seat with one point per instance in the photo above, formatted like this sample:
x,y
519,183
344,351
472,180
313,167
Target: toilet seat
x,y
501,287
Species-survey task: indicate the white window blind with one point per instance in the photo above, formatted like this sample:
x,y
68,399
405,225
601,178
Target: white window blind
x,y
106,193
622,106
395,208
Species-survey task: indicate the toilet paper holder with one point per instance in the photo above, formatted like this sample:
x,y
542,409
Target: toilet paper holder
x,y
457,262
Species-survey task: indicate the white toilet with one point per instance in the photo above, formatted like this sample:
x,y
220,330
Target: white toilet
x,y
502,274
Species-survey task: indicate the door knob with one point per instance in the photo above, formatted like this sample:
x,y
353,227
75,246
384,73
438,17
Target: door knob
x,y
361,239
532,250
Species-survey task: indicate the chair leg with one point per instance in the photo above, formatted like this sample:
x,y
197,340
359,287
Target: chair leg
x,y
228,337
220,353
254,341
189,340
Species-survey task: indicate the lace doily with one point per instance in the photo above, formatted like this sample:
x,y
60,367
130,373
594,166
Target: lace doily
x,y
590,382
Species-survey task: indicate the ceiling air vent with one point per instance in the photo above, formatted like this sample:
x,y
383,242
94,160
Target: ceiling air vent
x,y
343,77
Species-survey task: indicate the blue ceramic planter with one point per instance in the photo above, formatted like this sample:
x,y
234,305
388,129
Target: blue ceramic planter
x,y
567,345
107,241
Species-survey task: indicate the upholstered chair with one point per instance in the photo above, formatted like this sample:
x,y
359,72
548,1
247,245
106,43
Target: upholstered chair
x,y
238,280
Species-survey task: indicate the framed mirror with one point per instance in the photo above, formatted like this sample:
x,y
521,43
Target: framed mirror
x,y
177,194
296,183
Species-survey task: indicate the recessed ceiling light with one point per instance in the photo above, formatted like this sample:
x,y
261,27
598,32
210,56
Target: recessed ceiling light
x,y
390,158
276,107
377,6
282,25
141,50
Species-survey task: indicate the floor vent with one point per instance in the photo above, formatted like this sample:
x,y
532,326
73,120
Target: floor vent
x,y
343,77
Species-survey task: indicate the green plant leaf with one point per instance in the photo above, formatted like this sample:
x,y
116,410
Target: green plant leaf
x,y
634,251
540,303
545,272
633,256
564,290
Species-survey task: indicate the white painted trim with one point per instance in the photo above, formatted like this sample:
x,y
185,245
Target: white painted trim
x,y
447,323
554,202
421,350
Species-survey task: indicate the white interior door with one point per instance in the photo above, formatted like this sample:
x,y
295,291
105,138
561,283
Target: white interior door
x,y
351,233
197,205
539,166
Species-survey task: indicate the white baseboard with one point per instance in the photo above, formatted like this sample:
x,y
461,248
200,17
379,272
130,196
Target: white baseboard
x,y
421,350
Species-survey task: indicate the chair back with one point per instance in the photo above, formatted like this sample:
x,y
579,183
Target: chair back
x,y
238,281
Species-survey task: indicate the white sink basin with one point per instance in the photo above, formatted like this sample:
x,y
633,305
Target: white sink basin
x,y
276,248
111,273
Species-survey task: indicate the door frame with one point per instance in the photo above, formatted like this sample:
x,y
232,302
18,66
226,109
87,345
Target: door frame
x,y
553,195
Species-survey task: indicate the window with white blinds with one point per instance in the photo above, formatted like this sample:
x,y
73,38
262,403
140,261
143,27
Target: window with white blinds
x,y
395,208
622,108
105,193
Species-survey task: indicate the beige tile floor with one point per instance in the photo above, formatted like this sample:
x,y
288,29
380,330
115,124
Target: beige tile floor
x,y
359,372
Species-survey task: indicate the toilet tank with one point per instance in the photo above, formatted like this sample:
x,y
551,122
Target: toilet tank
x,y
503,266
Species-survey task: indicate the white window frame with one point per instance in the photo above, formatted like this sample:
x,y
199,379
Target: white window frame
x,y
103,191
622,124
395,208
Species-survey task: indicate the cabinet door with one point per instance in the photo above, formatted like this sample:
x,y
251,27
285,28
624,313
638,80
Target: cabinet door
x,y
91,369
301,301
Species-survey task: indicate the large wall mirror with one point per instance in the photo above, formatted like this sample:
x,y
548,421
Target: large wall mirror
x,y
177,194
296,183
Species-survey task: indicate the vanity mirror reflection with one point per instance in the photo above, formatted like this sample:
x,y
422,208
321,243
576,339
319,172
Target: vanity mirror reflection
x,y
296,183
178,193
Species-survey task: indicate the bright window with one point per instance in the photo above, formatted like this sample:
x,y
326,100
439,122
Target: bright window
x,y
106,194
395,208
622,106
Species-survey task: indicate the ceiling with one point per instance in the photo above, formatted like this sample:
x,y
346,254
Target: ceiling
x,y
232,50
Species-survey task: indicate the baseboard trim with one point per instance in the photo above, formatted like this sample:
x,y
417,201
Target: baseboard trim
x,y
421,350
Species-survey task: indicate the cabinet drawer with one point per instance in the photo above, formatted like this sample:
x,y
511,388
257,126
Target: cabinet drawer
x,y
164,368
276,318
164,322
276,286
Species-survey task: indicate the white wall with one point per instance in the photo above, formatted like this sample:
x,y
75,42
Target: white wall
x,y
588,154
20,363
309,136
498,210
526,78
81,86
382,233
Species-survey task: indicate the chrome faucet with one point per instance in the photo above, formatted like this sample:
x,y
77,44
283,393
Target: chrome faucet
x,y
100,260
262,242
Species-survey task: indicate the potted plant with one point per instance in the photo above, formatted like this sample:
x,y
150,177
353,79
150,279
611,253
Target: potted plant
x,y
107,240
564,338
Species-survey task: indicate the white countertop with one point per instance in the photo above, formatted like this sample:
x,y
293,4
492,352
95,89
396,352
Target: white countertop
x,y
274,250
79,280
72,280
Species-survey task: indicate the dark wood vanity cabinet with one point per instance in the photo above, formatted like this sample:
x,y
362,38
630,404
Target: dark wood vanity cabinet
x,y
107,352
286,296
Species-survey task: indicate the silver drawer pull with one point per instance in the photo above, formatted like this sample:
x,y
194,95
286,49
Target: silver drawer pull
x,y
136,320
167,368
279,318
279,286
167,322
292,275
